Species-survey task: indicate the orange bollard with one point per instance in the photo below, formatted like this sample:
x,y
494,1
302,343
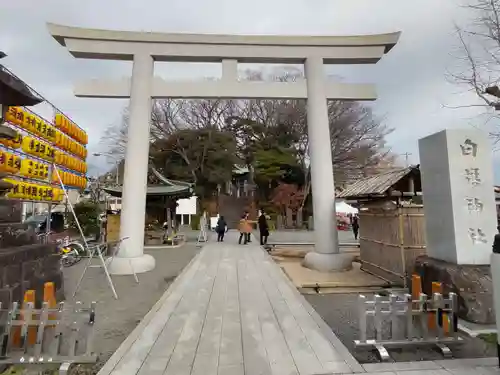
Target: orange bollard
x,y
49,296
29,296
431,319
416,286
437,287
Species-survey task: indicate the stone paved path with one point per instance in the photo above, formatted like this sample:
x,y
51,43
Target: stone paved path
x,y
232,311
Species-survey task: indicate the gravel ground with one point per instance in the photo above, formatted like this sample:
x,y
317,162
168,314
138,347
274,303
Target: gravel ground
x,y
339,311
115,319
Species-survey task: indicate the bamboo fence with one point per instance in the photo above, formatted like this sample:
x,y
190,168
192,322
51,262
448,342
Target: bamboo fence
x,y
390,240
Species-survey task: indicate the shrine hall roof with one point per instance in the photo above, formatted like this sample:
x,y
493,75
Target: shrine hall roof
x,y
158,185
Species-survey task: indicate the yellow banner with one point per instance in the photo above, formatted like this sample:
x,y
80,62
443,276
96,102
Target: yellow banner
x,y
34,169
29,191
9,162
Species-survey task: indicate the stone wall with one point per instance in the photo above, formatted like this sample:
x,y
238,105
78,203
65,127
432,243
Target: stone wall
x,y
24,263
472,284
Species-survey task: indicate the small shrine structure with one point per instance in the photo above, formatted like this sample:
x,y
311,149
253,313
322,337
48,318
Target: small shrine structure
x,y
161,202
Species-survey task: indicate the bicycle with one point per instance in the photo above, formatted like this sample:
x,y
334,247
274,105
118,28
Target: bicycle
x,y
71,252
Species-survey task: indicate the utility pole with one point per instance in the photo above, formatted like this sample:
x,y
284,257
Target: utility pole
x,y
407,158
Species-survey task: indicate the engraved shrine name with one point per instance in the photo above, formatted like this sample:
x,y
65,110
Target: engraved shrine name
x,y
474,205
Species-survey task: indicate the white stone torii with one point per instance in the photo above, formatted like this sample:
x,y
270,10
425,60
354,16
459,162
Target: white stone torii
x,y
143,48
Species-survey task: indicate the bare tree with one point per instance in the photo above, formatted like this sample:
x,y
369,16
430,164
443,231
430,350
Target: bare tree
x,y
357,137
478,57
114,138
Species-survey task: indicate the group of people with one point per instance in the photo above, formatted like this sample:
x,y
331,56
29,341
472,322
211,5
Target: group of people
x,y
245,228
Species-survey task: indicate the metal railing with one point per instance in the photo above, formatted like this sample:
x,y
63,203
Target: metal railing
x,y
397,321
47,336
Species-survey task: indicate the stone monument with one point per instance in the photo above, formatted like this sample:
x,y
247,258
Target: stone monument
x,y
460,217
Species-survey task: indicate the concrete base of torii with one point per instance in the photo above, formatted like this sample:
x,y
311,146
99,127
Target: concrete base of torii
x,y
328,262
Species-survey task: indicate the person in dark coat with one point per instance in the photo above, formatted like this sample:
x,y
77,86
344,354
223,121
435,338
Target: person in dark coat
x,y
355,226
221,229
496,241
263,228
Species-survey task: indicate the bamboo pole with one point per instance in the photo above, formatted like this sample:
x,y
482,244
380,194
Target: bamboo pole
x,y
401,230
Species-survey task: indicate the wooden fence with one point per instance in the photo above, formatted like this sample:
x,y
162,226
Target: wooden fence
x,y
390,240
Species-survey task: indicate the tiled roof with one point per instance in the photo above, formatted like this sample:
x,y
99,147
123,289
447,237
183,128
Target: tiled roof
x,y
166,187
375,185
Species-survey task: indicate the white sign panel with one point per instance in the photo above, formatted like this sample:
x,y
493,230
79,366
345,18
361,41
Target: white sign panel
x,y
186,206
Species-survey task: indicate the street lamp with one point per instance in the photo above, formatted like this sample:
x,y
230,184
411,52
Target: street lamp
x,y
2,54
117,163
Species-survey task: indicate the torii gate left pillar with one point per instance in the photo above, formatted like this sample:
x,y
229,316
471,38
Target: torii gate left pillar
x,y
144,48
132,218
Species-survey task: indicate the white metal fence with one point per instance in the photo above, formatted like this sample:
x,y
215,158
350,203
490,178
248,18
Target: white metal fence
x,y
396,321
48,335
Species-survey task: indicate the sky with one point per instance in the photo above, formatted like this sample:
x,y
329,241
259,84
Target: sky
x,y
415,98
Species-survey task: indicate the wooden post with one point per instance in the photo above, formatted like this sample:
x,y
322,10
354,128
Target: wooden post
x,y
169,223
401,230
300,223
416,286
279,222
289,218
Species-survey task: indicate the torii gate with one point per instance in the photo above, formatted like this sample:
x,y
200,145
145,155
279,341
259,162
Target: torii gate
x,y
143,48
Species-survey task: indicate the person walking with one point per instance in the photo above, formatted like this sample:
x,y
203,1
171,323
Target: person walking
x,y
263,228
245,227
355,226
221,229
247,214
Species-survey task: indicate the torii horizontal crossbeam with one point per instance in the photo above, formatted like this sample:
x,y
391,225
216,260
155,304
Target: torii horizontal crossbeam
x,y
224,89
123,45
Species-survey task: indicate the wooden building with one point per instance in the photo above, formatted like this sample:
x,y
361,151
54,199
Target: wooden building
x,y
391,218
161,201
